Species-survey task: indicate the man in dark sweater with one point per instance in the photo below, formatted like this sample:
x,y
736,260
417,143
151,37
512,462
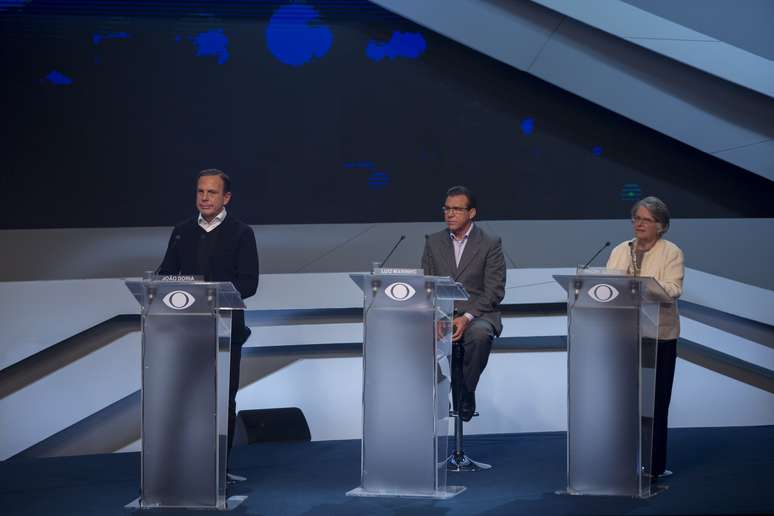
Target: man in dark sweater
x,y
221,248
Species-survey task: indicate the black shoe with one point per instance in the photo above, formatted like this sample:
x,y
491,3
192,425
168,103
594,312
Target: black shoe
x,y
468,405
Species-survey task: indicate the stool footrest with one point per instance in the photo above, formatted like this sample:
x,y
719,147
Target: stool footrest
x,y
461,462
456,414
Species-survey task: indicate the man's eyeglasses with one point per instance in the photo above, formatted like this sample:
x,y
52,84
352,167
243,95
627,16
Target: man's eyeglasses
x,y
453,209
643,220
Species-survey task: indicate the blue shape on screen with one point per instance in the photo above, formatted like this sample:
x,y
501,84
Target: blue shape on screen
x,y
528,126
294,37
98,38
378,180
212,43
58,78
597,151
410,45
7,4
631,192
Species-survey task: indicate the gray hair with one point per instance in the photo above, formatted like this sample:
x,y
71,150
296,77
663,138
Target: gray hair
x,y
657,208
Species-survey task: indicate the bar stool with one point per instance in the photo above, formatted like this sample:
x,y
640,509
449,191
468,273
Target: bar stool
x,y
458,460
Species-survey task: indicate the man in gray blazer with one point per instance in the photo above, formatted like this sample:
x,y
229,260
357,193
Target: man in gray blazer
x,y
475,259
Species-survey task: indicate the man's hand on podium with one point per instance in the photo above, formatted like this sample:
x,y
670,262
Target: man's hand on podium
x,y
459,324
442,328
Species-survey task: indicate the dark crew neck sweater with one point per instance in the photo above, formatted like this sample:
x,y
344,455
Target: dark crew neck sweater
x,y
227,253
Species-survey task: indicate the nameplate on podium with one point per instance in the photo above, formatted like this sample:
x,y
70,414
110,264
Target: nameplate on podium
x,y
396,270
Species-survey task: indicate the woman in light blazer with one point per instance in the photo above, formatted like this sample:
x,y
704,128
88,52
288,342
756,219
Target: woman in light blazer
x,y
649,254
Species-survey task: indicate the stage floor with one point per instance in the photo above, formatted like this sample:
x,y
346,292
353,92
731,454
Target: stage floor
x,y
717,471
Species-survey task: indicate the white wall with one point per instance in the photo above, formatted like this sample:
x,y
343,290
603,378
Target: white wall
x,y
520,391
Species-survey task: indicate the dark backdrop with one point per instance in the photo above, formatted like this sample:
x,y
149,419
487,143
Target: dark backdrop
x,y
322,112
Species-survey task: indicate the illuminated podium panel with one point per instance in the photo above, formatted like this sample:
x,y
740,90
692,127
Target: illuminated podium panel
x,y
406,379
611,372
186,348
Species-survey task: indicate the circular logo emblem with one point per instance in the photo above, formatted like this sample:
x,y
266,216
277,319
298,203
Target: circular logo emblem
x,y
603,293
178,300
400,291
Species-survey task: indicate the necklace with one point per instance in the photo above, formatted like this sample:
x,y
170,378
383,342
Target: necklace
x,y
635,264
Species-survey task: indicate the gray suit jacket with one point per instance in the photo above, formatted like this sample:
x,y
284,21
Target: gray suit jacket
x,y
481,271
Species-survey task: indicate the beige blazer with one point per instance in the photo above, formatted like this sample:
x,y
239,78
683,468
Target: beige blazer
x,y
664,262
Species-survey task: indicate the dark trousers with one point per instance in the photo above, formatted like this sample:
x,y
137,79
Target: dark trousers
x,y
476,344
666,357
233,387
239,334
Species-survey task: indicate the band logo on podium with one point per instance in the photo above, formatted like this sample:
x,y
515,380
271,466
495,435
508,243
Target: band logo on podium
x,y
400,291
603,293
178,300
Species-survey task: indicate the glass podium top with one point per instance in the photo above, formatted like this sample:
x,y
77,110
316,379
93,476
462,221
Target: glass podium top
x,y
228,297
444,286
650,289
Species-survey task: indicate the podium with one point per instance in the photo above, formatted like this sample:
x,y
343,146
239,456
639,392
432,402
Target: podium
x,y
186,348
407,323
611,370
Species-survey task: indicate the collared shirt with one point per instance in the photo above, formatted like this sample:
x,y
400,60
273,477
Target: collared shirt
x,y
459,245
459,248
209,226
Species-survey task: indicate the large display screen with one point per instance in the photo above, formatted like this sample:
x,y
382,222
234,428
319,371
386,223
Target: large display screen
x,y
321,112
